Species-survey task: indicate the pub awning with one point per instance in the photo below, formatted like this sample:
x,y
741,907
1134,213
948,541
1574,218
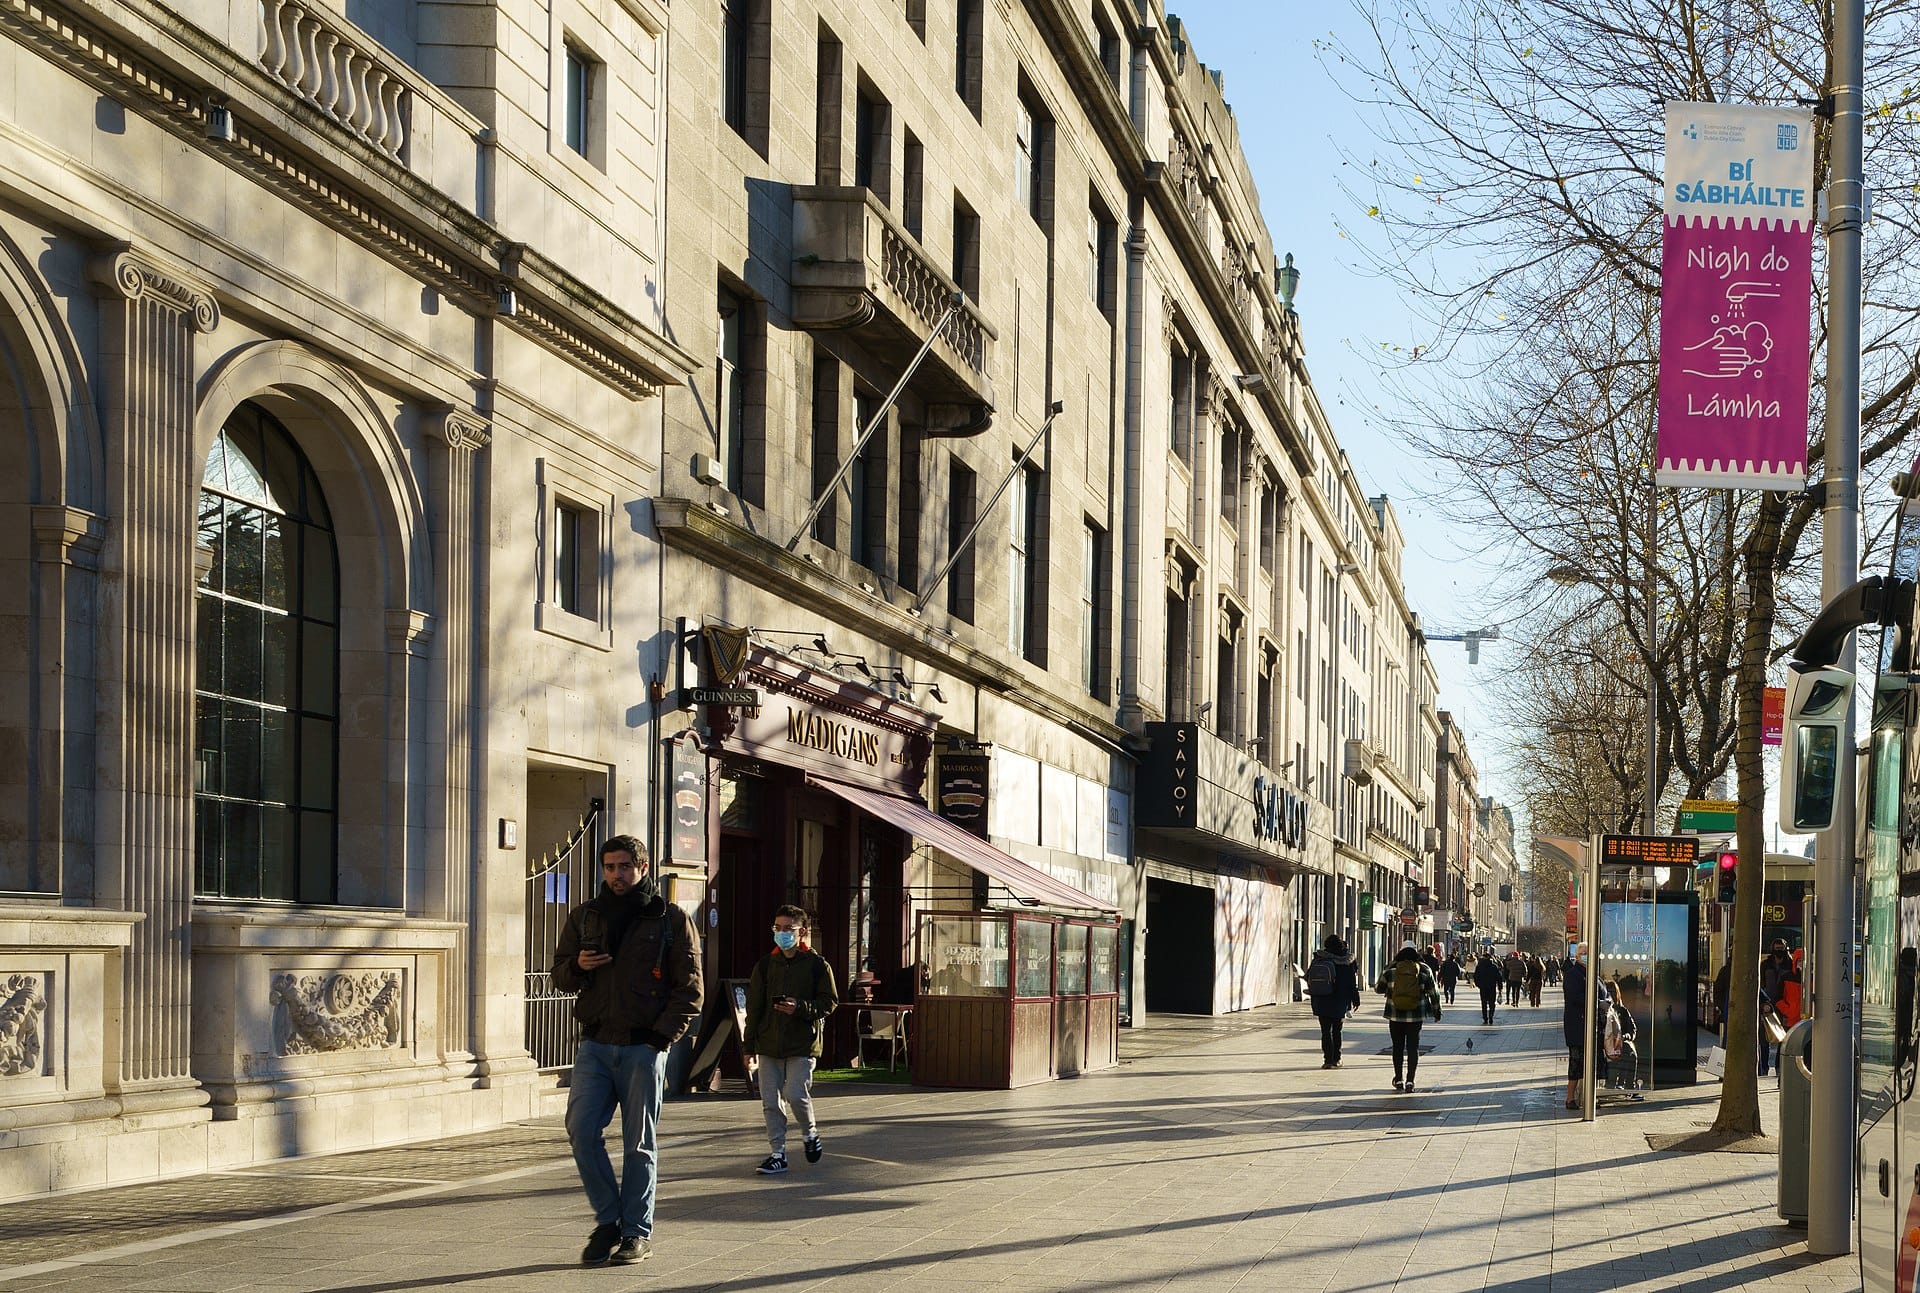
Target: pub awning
x,y
916,820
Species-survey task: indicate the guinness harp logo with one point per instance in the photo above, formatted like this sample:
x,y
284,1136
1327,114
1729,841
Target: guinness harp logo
x,y
726,653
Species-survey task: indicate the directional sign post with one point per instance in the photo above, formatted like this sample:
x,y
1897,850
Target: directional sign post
x,y
1707,816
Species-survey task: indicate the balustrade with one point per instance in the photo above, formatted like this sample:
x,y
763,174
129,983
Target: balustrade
x,y
336,69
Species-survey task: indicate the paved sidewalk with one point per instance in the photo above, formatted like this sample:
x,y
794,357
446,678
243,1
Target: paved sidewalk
x,y
1219,1156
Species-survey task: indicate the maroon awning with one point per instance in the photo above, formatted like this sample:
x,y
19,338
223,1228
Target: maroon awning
x,y
914,818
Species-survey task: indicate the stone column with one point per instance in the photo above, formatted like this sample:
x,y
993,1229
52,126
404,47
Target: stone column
x,y
66,552
460,850
150,317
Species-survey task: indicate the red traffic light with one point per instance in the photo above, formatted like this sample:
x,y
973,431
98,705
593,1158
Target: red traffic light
x,y
1728,861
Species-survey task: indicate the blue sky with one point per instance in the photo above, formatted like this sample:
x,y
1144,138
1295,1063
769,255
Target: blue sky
x,y
1294,122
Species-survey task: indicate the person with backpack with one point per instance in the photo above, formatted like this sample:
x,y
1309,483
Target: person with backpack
x,y
1449,975
1488,978
1573,976
1413,997
1333,989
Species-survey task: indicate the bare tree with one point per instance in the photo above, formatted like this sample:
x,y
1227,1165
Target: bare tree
x,y
1516,200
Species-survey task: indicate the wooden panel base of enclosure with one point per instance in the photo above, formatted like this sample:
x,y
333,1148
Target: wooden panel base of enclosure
x,y
960,1041
1032,1042
1103,1033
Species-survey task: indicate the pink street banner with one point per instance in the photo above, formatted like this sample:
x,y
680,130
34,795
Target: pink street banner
x,y
1735,288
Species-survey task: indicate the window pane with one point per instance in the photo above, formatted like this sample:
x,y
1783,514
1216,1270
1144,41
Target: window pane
x,y
212,539
276,853
242,878
216,473
317,857
207,773
243,550
276,575
242,636
209,643
316,763
317,661
317,597
276,756
241,741
244,476
275,682
209,838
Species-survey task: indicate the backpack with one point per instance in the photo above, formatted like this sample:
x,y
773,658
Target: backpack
x,y
1320,977
1405,992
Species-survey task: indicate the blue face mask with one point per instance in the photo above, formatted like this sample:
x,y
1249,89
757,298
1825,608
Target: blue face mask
x,y
784,939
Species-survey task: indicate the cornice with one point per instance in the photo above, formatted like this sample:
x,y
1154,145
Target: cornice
x,y
366,196
690,527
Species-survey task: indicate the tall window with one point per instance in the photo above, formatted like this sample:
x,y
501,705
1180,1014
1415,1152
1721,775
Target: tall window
x,y
730,395
1180,409
267,654
961,502
913,175
966,53
1032,137
966,248
867,487
582,72
576,558
1102,234
872,126
1020,559
907,574
826,443
1177,663
828,92
1093,606
733,64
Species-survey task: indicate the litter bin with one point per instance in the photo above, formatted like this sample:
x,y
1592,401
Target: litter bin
x,y
1796,1122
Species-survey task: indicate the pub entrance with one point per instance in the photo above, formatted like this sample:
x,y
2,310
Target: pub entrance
x,y
785,841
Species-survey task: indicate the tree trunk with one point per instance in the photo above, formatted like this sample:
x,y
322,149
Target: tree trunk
x,y
1740,1086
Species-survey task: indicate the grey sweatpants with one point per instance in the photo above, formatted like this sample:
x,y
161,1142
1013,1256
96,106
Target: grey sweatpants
x,y
792,1078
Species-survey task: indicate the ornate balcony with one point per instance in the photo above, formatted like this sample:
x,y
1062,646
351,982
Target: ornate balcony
x,y
337,69
855,268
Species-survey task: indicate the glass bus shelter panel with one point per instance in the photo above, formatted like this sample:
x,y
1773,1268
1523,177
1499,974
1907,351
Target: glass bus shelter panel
x,y
1648,950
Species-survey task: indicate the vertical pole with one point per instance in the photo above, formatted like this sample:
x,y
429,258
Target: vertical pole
x,y
1830,1183
1653,679
1590,943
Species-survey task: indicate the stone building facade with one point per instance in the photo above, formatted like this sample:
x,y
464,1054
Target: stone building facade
x,y
320,324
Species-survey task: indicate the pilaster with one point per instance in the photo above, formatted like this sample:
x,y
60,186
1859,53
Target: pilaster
x,y
150,318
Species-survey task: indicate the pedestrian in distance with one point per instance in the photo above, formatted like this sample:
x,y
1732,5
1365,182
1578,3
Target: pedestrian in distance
x,y
1723,995
1449,975
1536,979
1487,977
633,958
789,994
1431,959
1516,975
1413,997
1333,988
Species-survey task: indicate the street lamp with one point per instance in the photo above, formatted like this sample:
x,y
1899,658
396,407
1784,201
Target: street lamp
x,y
1569,575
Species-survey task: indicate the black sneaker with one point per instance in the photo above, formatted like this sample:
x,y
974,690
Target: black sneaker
x,y
600,1244
814,1148
774,1165
632,1250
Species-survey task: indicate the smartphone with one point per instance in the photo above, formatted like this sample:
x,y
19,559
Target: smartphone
x,y
591,947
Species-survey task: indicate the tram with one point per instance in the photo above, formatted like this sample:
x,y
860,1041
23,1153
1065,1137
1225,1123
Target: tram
x,y
1881,607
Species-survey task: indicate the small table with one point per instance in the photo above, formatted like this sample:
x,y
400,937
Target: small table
x,y
875,1022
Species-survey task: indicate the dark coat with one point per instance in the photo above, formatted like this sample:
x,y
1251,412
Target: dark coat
x,y
1573,980
626,1003
1346,986
808,979
1487,976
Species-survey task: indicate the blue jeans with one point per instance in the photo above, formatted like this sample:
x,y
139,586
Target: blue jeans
x,y
634,1079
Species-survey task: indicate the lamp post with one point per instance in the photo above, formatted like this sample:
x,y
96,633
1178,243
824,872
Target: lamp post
x,y
1569,575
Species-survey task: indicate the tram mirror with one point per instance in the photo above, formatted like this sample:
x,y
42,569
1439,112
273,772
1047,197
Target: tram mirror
x,y
1810,747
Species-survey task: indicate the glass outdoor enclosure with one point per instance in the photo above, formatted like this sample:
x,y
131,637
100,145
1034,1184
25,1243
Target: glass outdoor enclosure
x,y
1649,932
1007,999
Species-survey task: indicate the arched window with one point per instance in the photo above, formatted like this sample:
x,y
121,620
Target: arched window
x,y
266,730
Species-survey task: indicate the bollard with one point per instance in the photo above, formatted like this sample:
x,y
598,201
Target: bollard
x,y
1796,1122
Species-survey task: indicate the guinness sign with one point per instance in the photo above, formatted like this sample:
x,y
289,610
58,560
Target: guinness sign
x,y
726,653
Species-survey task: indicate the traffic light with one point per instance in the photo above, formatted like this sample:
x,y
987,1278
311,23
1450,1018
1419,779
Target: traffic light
x,y
1727,863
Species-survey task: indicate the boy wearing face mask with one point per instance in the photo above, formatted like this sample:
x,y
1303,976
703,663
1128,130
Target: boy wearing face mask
x,y
790,994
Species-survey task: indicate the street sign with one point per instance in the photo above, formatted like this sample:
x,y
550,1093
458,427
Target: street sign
x,y
1408,920
1707,816
742,697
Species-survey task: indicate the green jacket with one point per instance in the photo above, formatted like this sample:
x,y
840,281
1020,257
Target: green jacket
x,y
808,979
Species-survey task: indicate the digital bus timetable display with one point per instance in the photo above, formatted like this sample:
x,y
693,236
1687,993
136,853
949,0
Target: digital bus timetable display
x,y
1649,850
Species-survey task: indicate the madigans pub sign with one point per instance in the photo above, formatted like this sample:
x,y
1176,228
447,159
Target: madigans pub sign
x,y
790,730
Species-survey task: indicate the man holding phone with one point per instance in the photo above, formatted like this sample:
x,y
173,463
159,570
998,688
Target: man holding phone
x,y
634,959
789,995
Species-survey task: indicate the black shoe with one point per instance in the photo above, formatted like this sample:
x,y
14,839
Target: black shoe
x,y
813,1147
600,1244
632,1251
774,1165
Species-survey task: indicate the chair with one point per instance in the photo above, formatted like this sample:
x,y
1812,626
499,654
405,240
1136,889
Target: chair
x,y
885,1025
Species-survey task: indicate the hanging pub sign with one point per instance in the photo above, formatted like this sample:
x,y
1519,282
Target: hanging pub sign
x,y
1735,297
964,789
687,820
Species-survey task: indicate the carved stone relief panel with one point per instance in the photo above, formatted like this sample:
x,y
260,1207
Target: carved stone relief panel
x,y
331,1011
23,1002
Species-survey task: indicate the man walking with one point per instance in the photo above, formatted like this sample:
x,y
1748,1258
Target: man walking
x,y
634,959
1516,975
790,993
1449,975
1487,978
1333,988
1536,979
